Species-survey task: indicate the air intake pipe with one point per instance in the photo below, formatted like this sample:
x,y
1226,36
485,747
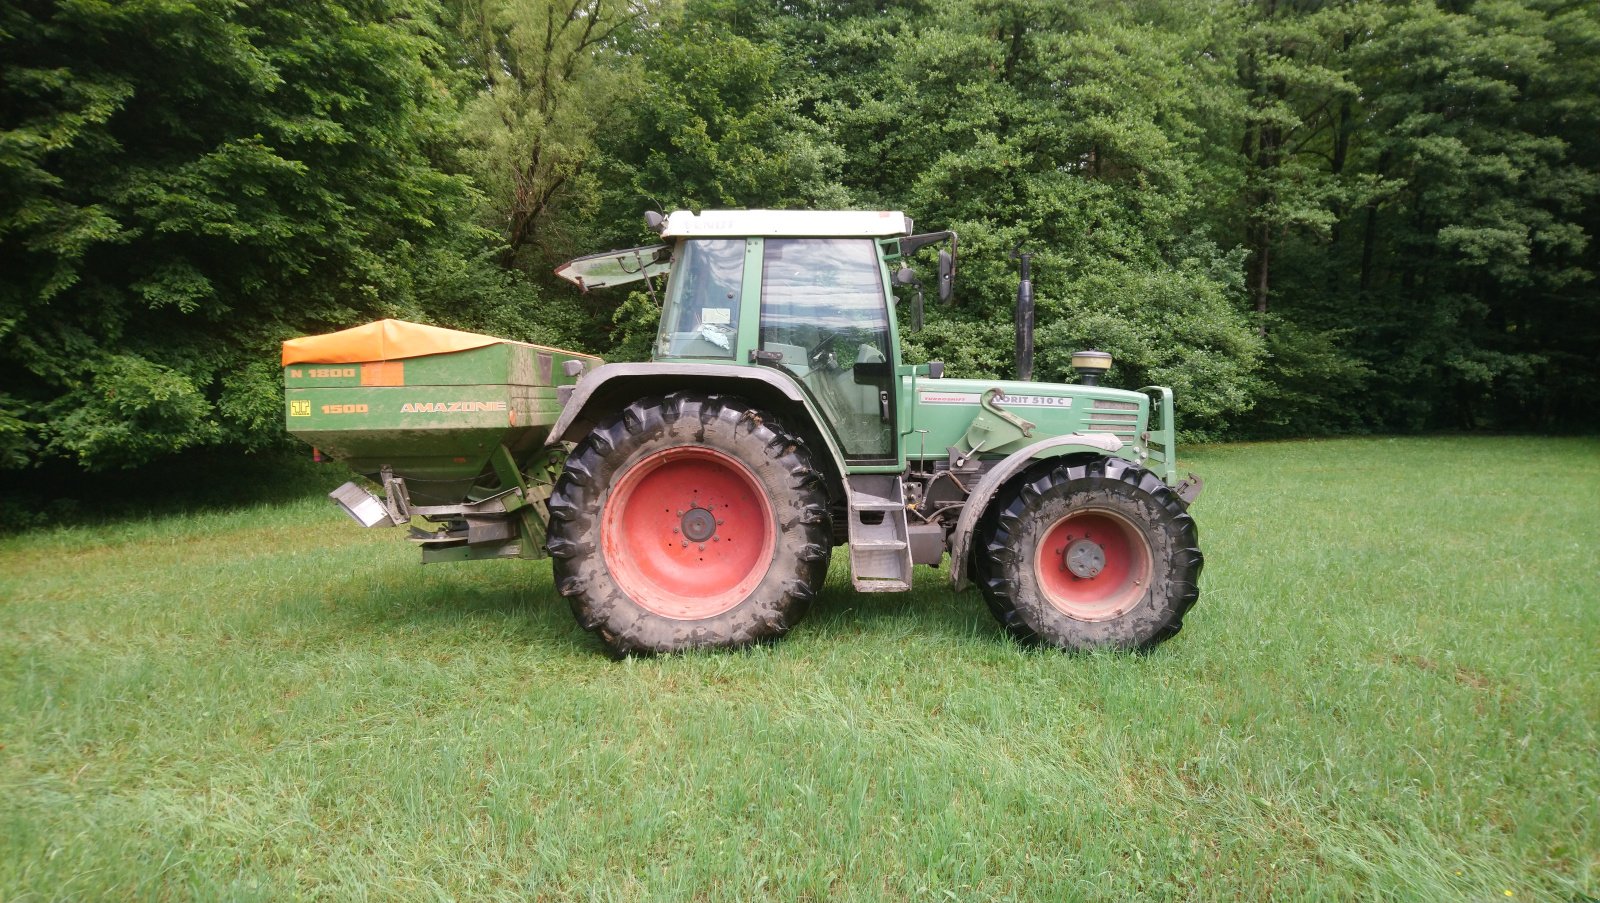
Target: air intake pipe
x,y
1091,365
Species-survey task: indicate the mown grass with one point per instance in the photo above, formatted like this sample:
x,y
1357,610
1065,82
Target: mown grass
x,y
1389,690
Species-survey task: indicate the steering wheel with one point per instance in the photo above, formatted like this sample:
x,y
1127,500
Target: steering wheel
x,y
823,348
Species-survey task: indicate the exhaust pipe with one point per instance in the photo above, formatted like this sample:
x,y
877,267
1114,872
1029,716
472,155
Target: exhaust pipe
x,y
1024,315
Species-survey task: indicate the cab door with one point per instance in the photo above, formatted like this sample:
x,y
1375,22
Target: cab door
x,y
825,320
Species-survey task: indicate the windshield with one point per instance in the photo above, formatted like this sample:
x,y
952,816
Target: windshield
x,y
701,315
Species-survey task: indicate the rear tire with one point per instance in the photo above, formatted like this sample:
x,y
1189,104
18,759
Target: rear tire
x,y
1089,554
690,521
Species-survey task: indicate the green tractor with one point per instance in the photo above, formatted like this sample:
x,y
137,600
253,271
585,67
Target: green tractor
x,y
694,501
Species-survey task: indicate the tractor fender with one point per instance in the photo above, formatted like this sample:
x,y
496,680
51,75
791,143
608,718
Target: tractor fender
x,y
996,477
608,387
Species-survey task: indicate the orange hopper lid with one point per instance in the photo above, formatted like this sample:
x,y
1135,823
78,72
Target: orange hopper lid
x,y
385,340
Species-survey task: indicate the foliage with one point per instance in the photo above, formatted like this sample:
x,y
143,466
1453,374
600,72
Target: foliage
x,y
187,183
636,322
1458,262
1310,384
1306,217
544,80
722,128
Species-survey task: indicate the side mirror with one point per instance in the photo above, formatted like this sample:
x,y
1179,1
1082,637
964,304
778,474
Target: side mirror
x,y
654,221
907,276
947,276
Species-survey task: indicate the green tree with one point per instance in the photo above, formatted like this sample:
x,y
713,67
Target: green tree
x,y
1078,132
1297,119
542,79
184,183
1465,273
1288,193
723,126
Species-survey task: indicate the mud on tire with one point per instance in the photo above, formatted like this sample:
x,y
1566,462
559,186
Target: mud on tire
x,y
689,521
1087,554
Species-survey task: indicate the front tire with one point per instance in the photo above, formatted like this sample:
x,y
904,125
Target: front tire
x,y
1090,554
689,521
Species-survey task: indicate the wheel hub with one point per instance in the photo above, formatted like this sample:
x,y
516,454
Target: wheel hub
x,y
698,525
1085,558
1093,564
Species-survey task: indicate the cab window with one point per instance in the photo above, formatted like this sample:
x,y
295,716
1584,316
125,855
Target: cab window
x,y
825,319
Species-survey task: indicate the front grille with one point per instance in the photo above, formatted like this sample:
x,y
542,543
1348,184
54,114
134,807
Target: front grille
x,y
1118,417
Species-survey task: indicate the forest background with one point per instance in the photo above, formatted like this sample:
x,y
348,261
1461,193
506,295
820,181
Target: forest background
x,y
1308,218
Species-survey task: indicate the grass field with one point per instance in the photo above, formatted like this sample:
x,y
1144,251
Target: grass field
x,y
1389,690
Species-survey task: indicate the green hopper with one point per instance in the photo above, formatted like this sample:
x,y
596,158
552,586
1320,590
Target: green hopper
x,y
456,418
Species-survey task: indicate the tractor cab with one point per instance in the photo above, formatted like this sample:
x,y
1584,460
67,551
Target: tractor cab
x,y
808,293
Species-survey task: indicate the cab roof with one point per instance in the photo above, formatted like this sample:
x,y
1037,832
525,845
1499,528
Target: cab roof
x,y
787,223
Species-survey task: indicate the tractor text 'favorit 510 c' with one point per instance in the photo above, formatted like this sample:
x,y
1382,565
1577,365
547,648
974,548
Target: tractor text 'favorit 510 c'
x,y
694,500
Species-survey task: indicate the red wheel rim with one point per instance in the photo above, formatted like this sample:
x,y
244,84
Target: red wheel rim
x,y
1093,565
688,533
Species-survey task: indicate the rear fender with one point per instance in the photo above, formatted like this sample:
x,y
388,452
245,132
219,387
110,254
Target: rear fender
x,y
983,494
609,387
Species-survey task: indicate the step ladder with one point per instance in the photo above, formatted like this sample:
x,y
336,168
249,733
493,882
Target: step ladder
x,y
880,552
